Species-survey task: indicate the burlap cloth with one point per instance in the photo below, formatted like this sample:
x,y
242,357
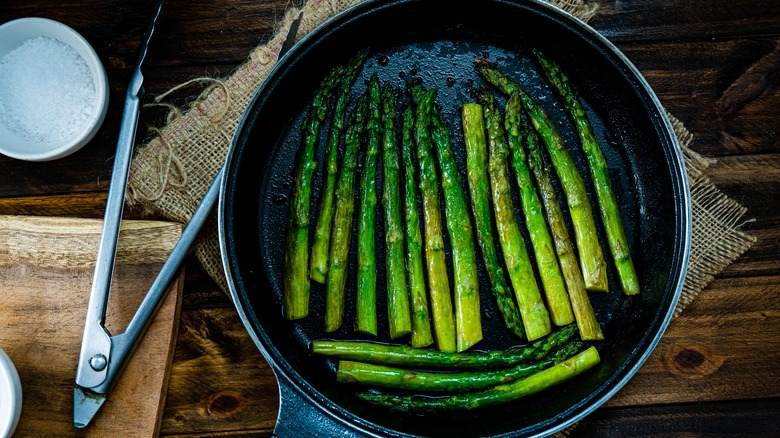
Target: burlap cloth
x,y
171,173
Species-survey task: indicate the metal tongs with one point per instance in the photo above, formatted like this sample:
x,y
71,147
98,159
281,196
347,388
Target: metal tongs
x,y
103,356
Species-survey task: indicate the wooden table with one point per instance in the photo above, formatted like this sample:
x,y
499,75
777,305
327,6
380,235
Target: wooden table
x,y
715,370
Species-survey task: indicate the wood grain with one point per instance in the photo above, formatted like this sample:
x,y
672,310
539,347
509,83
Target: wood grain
x,y
732,418
46,267
218,377
724,346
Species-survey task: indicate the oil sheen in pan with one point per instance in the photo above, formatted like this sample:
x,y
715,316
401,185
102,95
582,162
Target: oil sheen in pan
x,y
451,72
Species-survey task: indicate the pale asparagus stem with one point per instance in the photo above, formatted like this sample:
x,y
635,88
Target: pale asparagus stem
x,y
438,283
536,319
413,380
467,306
341,233
468,322
398,308
404,356
583,311
479,187
591,256
546,261
499,394
366,261
599,172
296,286
322,228
421,323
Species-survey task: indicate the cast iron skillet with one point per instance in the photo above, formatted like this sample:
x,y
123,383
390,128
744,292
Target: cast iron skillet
x,y
437,42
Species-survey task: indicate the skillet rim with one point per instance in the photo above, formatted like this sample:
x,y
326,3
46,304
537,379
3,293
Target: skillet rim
x,y
679,181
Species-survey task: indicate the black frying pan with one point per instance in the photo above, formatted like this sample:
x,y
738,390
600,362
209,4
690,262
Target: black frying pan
x,y
437,42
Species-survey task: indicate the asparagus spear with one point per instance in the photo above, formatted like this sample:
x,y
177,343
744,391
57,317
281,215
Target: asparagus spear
x,y
421,324
476,164
398,309
399,378
295,284
608,206
467,315
438,283
583,311
536,319
341,233
499,394
591,257
319,250
401,355
467,306
550,272
366,260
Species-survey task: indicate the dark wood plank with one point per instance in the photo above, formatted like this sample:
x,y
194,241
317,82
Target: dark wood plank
x,y
733,418
724,346
642,20
725,92
219,381
753,181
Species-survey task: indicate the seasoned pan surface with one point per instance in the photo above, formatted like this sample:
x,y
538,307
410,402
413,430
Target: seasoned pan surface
x,y
436,44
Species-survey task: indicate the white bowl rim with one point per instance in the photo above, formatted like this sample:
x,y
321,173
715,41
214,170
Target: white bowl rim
x,y
100,80
11,406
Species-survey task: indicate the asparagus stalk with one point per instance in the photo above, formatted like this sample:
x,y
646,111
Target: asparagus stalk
x,y
546,261
404,356
583,311
319,251
296,287
421,324
341,233
476,164
536,319
398,308
467,314
366,260
400,378
591,257
499,394
438,283
599,172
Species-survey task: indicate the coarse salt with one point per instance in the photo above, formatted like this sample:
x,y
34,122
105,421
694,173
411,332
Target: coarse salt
x,y
46,93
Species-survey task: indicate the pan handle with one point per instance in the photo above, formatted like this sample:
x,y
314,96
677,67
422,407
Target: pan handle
x,y
299,415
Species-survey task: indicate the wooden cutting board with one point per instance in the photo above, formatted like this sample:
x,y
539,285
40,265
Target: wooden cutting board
x,y
46,267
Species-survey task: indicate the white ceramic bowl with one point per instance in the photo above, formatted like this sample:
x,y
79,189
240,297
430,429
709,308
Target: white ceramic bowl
x,y
10,396
12,35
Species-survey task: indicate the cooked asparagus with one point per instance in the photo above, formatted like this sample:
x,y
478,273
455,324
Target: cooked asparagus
x,y
467,307
341,234
421,323
599,172
583,311
536,319
400,378
546,261
438,283
366,260
322,227
476,164
296,286
498,394
468,324
404,356
591,256
398,309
